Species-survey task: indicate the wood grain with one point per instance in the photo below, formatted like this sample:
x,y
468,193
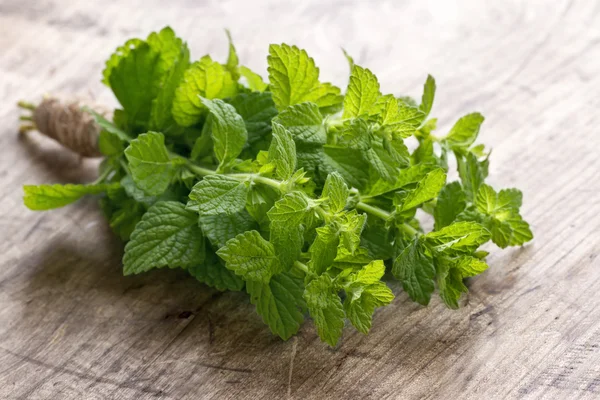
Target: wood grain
x,y
72,327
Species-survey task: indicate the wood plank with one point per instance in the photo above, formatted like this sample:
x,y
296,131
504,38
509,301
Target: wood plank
x,y
72,327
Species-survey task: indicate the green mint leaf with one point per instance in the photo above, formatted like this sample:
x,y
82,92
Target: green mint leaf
x,y
350,228
167,235
521,233
136,95
161,115
450,285
472,173
414,268
347,162
282,152
370,273
470,266
123,213
336,192
291,208
405,177
465,131
361,302
151,167
250,256
279,302
233,61
203,79
377,239
260,200
427,189
428,95
255,81
295,79
47,197
228,130
325,308
120,53
450,203
288,240
460,237
398,118
218,194
257,110
324,248
220,228
362,93
305,123
110,144
213,273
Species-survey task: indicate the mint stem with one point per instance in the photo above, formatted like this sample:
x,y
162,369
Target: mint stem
x,y
242,177
378,212
301,266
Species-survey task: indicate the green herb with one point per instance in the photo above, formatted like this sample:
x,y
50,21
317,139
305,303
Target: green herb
x,y
300,195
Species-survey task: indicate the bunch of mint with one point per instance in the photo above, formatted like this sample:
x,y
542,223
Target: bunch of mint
x,y
289,190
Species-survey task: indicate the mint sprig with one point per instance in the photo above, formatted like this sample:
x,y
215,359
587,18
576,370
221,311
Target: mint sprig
x,y
300,195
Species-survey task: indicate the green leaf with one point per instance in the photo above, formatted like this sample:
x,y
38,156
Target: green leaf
x,y
203,79
370,273
295,79
167,235
228,130
360,309
414,268
350,228
255,81
450,203
427,189
397,118
470,266
325,308
282,152
377,238
291,208
136,95
347,162
362,93
460,237
218,194
161,115
257,110
279,302
472,174
465,131
110,144
233,61
151,167
428,95
213,273
250,256
305,123
450,285
521,233
220,228
47,197
407,176
336,192
324,248
288,240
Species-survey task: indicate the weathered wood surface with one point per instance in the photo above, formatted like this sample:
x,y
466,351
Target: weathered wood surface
x,y
71,327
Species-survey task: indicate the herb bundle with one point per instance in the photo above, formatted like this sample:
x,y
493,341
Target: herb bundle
x,y
287,189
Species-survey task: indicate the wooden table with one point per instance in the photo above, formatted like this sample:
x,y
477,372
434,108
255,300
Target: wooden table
x,y
72,327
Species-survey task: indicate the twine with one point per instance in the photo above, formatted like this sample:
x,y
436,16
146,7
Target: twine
x,y
66,122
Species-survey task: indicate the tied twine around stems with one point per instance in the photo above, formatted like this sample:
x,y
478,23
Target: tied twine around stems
x,y
65,121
